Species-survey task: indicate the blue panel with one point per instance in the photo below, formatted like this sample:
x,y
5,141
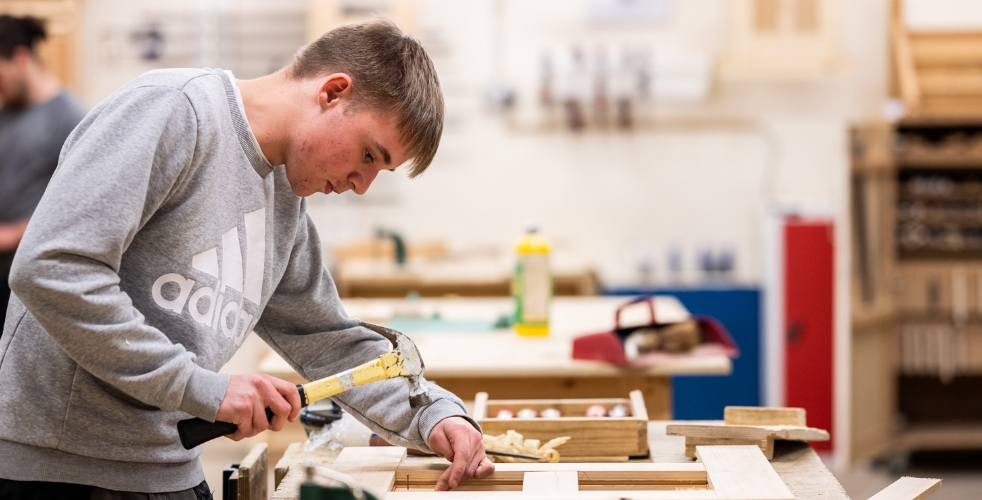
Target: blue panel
x,y
738,309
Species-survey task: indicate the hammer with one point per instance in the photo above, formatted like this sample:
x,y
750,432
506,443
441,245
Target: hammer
x,y
402,361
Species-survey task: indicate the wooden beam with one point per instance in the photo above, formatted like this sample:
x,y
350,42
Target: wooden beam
x,y
908,488
564,481
752,415
253,483
741,473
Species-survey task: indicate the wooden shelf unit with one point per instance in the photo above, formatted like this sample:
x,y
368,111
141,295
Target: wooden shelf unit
x,y
916,303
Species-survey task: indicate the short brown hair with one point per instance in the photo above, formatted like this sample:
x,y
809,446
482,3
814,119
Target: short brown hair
x,y
19,32
392,73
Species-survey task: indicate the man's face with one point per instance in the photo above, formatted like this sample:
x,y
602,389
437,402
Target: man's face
x,y
13,83
341,150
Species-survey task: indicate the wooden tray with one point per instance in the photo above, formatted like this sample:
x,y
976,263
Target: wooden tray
x,y
592,439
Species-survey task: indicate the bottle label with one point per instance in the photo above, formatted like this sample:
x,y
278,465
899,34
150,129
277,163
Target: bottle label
x,y
536,289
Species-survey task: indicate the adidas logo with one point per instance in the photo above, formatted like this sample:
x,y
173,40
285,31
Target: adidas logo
x,y
215,306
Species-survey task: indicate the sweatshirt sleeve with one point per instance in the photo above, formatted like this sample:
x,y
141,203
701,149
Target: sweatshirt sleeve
x,y
115,171
306,324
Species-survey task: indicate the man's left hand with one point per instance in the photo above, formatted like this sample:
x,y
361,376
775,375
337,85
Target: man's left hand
x,y
458,441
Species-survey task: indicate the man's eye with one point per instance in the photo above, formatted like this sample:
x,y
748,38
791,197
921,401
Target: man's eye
x,y
368,156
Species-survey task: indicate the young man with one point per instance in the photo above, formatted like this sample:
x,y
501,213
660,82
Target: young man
x,y
167,235
36,115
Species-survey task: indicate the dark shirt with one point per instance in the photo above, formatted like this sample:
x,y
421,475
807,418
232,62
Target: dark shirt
x,y
30,142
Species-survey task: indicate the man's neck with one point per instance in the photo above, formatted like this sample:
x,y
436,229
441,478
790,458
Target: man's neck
x,y
270,106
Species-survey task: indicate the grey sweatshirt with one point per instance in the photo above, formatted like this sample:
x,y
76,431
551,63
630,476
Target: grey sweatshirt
x,y
163,239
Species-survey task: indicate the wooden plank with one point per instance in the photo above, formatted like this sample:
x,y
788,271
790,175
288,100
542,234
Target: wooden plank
x,y
291,455
371,467
564,481
289,486
908,488
958,81
752,415
741,473
946,49
785,432
580,495
691,442
253,482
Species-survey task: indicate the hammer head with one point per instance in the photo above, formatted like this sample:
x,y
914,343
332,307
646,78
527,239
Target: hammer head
x,y
412,363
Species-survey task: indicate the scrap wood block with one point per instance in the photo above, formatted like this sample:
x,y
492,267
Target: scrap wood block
x,y
908,488
749,426
752,415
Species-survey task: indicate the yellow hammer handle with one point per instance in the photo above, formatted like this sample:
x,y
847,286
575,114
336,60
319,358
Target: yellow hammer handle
x,y
388,365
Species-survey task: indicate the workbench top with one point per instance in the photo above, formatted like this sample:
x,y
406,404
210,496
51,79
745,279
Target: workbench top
x,y
506,354
796,463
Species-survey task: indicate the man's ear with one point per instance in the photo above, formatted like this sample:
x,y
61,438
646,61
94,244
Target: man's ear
x,y
334,87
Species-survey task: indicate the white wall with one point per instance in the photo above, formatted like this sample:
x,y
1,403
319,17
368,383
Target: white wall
x,y
617,198
611,199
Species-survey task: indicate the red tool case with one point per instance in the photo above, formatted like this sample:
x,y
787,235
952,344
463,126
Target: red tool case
x,y
609,346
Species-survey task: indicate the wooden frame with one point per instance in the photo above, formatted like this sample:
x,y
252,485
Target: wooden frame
x,y
592,438
726,473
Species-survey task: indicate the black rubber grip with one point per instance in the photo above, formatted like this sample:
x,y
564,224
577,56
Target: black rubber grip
x,y
197,431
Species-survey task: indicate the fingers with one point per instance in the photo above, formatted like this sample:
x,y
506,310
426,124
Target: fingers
x,y
292,396
484,468
457,440
247,398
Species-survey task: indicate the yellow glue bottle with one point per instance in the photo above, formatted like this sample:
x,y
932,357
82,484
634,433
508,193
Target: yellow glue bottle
x,y
531,284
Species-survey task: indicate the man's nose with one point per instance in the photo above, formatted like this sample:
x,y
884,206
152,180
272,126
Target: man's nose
x,y
360,181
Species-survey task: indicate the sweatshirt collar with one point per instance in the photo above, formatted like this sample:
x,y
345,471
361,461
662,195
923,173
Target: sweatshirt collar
x,y
242,129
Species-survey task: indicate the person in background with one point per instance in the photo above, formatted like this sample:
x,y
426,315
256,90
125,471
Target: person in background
x,y
36,116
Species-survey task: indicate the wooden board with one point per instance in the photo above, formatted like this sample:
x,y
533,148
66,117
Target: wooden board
x,y
766,445
741,472
785,432
253,481
752,415
562,481
908,488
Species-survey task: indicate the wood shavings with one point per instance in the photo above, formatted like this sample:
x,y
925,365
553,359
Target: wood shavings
x,y
513,442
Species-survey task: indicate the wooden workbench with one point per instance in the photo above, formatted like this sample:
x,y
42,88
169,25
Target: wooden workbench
x,y
796,463
508,366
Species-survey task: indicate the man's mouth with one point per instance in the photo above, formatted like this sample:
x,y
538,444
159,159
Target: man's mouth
x,y
328,187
